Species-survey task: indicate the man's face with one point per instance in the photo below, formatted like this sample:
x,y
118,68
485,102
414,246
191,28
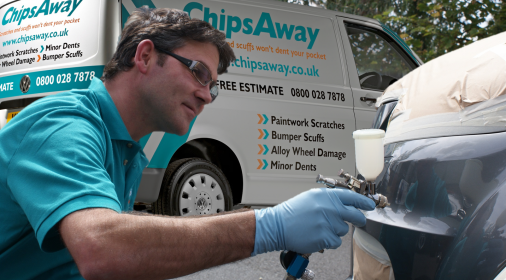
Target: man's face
x,y
174,97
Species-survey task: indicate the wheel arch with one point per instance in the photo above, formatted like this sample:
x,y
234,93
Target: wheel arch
x,y
220,155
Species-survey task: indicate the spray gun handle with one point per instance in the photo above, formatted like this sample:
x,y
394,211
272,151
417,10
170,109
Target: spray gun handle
x,y
295,265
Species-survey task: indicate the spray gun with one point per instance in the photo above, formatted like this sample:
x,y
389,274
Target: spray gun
x,y
369,157
360,186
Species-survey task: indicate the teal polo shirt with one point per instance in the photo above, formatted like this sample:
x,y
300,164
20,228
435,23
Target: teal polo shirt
x,y
61,154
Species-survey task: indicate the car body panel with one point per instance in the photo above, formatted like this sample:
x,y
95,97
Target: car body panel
x,y
447,215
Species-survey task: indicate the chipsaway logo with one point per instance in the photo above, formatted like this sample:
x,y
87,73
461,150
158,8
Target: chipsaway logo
x,y
47,7
254,26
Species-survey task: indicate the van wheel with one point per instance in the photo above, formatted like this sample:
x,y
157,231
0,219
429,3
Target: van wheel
x,y
193,186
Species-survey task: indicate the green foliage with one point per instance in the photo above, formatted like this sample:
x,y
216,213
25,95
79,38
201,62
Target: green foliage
x,y
430,28
373,54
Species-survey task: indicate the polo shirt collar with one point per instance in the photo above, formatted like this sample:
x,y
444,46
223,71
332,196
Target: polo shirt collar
x,y
110,115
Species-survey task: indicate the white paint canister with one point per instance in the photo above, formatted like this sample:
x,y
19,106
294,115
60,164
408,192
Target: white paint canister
x,y
369,152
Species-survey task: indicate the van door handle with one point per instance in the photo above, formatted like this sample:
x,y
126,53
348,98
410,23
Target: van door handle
x,y
365,99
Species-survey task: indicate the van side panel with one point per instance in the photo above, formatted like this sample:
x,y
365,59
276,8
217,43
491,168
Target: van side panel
x,y
285,107
59,47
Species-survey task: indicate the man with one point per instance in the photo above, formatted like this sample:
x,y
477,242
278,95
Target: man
x,y
72,165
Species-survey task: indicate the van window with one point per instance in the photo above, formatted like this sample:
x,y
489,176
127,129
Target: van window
x,y
380,61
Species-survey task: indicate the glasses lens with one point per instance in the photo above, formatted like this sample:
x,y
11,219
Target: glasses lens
x,y
202,74
214,91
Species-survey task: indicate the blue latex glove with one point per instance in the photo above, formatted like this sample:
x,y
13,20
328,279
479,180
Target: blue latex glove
x,y
309,222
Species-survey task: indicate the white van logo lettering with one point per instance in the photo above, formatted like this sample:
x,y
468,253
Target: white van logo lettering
x,y
264,24
46,8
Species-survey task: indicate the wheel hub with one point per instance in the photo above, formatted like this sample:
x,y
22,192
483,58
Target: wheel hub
x,y
202,203
201,195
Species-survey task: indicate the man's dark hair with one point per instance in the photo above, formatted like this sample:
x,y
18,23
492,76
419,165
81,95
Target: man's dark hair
x,y
168,29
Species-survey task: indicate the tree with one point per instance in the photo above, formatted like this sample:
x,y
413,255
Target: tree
x,y
430,28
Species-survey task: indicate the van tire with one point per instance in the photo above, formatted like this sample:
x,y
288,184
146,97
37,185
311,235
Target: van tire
x,y
193,186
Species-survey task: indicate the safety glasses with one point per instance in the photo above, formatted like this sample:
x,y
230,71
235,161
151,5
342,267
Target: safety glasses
x,y
199,71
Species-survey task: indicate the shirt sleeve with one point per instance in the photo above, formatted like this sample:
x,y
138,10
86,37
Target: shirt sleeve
x,y
59,168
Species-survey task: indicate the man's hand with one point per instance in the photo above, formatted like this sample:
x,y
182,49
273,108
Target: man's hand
x,y
309,222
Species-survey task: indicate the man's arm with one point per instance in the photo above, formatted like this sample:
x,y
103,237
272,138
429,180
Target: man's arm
x,y
106,244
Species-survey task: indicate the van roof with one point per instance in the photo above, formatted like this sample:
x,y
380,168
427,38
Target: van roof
x,y
309,10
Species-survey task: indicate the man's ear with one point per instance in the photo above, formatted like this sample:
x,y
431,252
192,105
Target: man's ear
x,y
145,56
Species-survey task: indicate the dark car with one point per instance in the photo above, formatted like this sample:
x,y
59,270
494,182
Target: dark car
x,y
444,172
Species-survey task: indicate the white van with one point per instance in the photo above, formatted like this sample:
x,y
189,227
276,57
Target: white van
x,y
304,79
